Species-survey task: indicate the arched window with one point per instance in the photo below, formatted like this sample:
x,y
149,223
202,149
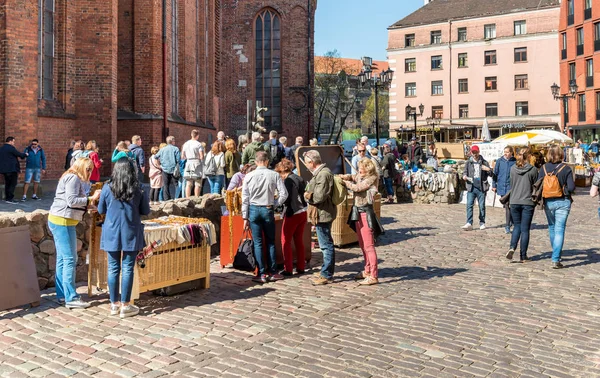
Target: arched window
x,y
46,48
268,66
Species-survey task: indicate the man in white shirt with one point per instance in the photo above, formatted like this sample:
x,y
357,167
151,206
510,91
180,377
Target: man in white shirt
x,y
258,211
193,152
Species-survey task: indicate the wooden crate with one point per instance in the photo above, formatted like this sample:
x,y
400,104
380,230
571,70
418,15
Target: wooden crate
x,y
171,264
341,233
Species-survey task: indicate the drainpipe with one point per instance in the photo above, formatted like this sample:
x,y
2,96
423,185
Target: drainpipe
x,y
451,66
165,131
309,69
197,60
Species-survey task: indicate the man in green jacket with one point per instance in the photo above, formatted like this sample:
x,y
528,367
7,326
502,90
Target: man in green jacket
x,y
252,148
321,211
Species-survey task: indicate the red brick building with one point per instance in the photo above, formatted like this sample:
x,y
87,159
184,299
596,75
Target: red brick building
x,y
579,45
95,69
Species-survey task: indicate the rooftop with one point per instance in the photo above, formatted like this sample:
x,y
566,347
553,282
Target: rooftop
x,y
327,65
445,10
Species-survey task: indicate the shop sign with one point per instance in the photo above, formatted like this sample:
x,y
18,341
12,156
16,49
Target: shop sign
x,y
513,126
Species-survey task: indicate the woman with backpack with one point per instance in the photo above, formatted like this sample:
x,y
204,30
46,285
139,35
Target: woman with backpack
x,y
522,178
557,185
123,201
294,218
362,217
214,167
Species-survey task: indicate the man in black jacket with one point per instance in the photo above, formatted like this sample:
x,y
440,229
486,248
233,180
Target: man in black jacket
x,y
388,163
476,174
10,168
415,152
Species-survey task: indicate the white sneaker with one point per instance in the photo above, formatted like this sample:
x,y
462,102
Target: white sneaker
x,y
115,309
482,226
128,311
467,226
77,303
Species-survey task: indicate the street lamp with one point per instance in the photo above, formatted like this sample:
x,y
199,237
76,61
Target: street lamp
x,y
413,113
565,98
433,122
366,77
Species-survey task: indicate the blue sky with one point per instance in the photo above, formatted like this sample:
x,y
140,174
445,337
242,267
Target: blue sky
x,y
355,30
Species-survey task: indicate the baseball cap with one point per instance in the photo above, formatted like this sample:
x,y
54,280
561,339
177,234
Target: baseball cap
x,y
475,149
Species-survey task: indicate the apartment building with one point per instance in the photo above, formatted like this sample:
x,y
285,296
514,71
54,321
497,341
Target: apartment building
x,y
471,60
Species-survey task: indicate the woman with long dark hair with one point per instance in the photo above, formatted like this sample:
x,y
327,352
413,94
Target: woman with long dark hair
x,y
123,202
522,178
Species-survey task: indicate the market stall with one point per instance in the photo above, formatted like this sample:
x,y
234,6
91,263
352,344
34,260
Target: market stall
x,y
177,251
232,230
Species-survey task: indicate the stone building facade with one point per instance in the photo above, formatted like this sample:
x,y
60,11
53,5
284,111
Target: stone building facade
x,y
95,70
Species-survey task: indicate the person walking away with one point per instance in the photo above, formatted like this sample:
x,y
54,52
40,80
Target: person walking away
x,y
362,218
233,160
431,154
155,174
123,201
91,151
10,168
558,185
476,174
275,148
258,212
121,151
181,182
501,180
361,150
321,211
294,218
67,210
251,149
415,153
214,167
238,179
522,178
193,152
292,155
35,166
389,171
594,149
168,157
69,154
286,149
139,155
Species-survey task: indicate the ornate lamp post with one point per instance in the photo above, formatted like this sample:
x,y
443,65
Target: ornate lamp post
x,y
433,122
366,77
412,113
565,98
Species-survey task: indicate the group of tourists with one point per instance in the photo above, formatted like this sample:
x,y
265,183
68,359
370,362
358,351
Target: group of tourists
x,y
10,167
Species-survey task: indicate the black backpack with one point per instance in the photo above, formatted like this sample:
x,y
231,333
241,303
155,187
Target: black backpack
x,y
244,257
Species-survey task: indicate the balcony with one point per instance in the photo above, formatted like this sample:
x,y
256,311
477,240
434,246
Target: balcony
x,y
581,117
563,54
579,49
570,19
588,14
597,45
589,81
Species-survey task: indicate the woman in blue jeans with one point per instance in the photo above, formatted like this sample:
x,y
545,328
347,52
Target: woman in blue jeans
x,y
123,201
69,207
557,208
522,178
214,167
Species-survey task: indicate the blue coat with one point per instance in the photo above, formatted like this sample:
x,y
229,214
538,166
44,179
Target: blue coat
x,y
502,175
35,160
123,229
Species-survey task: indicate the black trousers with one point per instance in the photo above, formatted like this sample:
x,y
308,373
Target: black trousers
x,y
167,179
10,183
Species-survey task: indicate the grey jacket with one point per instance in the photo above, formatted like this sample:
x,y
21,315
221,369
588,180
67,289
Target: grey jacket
x,y
471,173
70,200
521,184
321,187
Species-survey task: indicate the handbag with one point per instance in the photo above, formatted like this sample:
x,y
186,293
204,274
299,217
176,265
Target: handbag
x,y
244,257
505,198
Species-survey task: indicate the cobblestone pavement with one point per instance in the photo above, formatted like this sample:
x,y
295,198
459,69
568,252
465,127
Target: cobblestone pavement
x,y
449,304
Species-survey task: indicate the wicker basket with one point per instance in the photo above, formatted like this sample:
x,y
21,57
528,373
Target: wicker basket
x,y
170,264
341,233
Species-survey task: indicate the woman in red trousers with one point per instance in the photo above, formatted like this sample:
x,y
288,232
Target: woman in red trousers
x,y
362,218
294,218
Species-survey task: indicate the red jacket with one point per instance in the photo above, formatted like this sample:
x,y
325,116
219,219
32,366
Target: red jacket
x,y
97,164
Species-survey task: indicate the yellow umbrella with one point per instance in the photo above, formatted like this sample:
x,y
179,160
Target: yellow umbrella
x,y
524,138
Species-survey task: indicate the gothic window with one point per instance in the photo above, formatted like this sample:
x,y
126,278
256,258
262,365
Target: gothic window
x,y
268,66
46,48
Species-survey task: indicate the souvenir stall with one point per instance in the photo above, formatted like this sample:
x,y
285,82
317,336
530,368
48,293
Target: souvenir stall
x,y
333,157
177,251
232,231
